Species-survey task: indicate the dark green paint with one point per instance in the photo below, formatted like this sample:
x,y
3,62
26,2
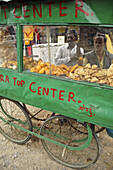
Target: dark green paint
x,y
19,49
96,96
102,13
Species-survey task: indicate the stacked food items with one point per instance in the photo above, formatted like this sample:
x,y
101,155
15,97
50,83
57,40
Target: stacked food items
x,y
28,63
46,68
8,55
93,74
9,64
87,73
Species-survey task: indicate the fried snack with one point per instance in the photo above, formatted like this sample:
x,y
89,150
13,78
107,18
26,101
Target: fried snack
x,y
92,71
102,82
29,66
65,72
38,67
99,74
47,71
60,72
55,68
87,77
73,68
94,80
42,71
39,62
94,66
65,67
111,67
109,73
52,67
71,75
33,69
76,78
30,59
42,64
47,64
54,72
88,65
70,67
81,71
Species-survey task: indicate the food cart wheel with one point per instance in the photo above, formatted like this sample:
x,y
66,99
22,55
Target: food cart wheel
x,y
36,113
70,133
95,128
13,117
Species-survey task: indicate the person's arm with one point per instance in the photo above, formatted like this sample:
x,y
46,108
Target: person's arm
x,y
59,59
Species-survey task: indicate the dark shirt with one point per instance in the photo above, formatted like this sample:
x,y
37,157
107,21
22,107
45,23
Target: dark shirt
x,y
93,59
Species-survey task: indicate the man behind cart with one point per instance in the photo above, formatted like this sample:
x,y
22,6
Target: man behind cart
x,y
69,54
99,55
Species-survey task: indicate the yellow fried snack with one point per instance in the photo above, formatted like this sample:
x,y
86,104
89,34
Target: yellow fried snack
x,y
65,72
60,72
33,69
38,67
55,68
47,64
54,72
73,68
42,64
39,62
42,71
47,71
65,67
76,78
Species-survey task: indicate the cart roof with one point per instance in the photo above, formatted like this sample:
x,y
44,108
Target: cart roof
x,y
56,12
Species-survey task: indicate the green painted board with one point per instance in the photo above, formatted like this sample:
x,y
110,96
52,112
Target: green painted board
x,y
53,12
83,101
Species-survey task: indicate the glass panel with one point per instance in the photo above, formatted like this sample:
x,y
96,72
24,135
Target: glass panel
x,y
81,53
8,48
35,48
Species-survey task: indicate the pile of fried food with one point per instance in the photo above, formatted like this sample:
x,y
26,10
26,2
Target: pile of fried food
x,y
8,57
28,63
9,64
93,74
88,73
46,68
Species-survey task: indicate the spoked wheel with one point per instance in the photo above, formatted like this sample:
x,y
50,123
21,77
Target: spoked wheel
x,y
37,114
78,149
95,128
12,115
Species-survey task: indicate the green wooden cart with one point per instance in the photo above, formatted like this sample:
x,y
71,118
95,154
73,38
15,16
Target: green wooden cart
x,y
69,137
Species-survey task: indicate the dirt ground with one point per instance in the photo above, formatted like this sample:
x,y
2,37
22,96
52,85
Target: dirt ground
x,y
32,156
